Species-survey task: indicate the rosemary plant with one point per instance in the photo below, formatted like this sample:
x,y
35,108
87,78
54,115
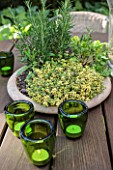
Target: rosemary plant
x,y
46,37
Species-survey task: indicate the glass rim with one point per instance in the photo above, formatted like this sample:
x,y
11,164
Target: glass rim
x,y
60,108
7,53
19,101
23,136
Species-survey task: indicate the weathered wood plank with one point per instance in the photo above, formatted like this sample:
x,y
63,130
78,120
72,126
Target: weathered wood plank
x,y
6,45
108,111
3,126
53,118
4,98
87,153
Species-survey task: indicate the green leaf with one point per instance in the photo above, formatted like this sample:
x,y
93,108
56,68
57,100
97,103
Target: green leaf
x,y
20,9
6,12
22,70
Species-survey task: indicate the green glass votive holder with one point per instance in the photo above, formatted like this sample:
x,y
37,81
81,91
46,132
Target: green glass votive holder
x,y
38,139
17,113
73,116
6,63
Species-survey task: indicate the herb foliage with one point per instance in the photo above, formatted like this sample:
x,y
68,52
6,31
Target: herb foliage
x,y
91,53
47,37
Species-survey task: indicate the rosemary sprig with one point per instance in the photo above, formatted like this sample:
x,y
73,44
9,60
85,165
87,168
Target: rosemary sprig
x,y
46,38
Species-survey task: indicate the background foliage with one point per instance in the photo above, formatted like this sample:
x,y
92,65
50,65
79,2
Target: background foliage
x,y
9,8
54,3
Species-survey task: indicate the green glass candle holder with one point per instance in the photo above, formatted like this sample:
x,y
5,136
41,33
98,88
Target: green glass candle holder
x,y
17,113
73,116
38,139
6,63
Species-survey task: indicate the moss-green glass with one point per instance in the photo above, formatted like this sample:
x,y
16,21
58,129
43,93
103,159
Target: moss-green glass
x,y
38,139
17,113
6,63
73,116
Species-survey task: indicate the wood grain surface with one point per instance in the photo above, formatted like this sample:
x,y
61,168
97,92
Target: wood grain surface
x,y
90,152
108,112
4,97
3,126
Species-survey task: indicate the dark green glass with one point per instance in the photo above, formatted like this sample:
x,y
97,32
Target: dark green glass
x,y
38,139
6,63
73,116
17,113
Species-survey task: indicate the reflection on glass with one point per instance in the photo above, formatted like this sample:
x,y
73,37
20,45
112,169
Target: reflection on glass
x,y
73,116
38,139
6,63
17,113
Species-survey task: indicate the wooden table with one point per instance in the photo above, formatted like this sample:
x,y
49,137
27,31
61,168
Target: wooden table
x,y
94,151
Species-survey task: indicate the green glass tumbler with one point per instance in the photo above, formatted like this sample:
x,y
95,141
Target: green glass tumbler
x,y
38,139
17,113
73,116
6,63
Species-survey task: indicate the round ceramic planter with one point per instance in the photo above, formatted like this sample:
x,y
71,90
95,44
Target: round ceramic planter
x,y
15,94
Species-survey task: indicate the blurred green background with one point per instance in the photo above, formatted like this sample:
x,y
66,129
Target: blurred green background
x,y
9,8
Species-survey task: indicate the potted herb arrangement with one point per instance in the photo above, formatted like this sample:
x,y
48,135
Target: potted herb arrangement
x,y
58,66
